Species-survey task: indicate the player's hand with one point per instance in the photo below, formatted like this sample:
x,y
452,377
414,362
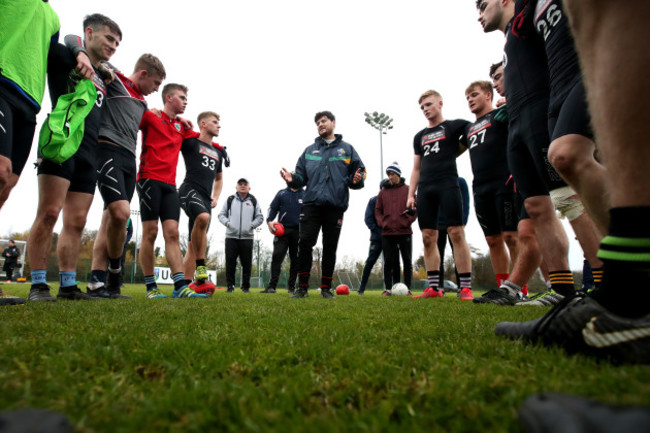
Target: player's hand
x,y
271,227
84,66
357,176
213,202
187,124
501,114
501,101
410,202
106,73
286,175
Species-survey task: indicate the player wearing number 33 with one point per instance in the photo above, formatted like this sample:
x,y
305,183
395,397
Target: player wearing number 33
x,y
200,191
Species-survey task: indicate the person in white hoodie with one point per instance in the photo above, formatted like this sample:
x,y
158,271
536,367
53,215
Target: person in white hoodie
x,y
241,214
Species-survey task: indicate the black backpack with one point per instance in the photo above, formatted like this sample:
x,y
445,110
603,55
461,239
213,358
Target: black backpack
x,y
253,200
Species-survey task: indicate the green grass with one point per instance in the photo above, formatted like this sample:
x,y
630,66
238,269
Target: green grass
x,y
257,362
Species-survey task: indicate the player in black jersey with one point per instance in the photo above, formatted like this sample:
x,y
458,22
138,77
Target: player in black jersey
x,y
70,186
495,201
200,192
435,178
526,87
572,146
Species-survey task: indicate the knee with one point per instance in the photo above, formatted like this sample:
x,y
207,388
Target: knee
x,y
430,239
456,234
539,207
49,216
171,234
526,233
5,172
511,239
563,157
494,241
201,222
150,234
119,215
75,222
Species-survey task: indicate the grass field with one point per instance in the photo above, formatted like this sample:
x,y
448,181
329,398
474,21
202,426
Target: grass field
x,y
257,362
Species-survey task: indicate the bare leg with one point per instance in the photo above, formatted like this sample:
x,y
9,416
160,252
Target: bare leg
x,y
573,157
512,242
529,256
172,246
52,191
75,211
118,216
498,254
149,234
462,256
100,254
552,239
6,186
189,262
431,253
609,35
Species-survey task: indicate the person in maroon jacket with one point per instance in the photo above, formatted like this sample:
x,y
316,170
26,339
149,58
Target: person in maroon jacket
x,y
395,223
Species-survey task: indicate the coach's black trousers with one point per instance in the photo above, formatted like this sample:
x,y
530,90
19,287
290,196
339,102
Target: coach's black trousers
x,y
242,248
312,220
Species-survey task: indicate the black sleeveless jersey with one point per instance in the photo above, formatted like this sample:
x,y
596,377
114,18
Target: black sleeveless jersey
x,y
552,25
525,71
202,163
438,147
487,141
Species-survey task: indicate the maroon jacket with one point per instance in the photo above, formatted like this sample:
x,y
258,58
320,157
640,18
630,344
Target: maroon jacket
x,y
390,207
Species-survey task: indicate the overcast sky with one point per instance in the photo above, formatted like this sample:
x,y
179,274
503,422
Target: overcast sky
x,y
268,67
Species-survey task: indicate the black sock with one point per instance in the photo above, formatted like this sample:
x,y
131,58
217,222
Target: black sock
x,y
200,262
562,282
626,263
114,264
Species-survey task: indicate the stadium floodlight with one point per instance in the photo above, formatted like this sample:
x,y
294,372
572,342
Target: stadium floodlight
x,y
381,122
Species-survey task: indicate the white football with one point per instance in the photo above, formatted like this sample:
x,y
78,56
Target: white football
x,y
399,289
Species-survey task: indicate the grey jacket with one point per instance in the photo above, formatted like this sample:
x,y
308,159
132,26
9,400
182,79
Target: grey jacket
x,y
242,219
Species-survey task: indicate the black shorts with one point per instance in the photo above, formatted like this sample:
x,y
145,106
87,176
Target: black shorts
x,y
193,203
17,127
80,169
497,211
528,143
571,115
116,173
158,200
432,199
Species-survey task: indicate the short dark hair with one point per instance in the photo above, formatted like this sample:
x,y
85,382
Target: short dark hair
x,y
327,114
171,88
478,4
493,68
97,21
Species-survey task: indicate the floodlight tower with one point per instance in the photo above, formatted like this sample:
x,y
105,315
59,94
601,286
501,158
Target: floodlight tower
x,y
381,122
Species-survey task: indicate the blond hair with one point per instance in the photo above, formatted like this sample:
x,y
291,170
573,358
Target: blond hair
x,y
207,114
483,85
429,93
151,64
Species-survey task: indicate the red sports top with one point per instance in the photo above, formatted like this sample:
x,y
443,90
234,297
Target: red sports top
x,y
161,144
